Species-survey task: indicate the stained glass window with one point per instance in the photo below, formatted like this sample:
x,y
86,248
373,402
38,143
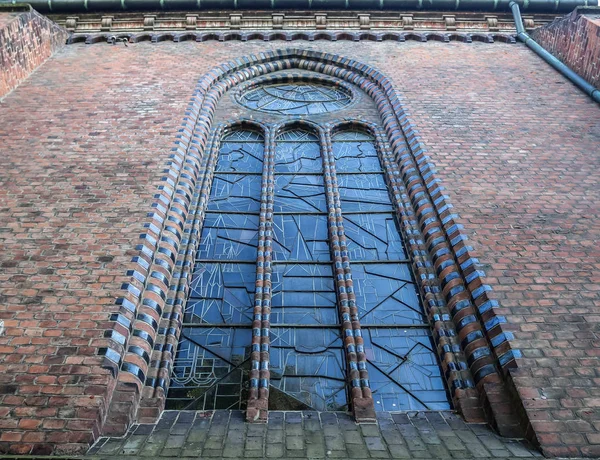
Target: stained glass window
x,y
296,99
212,360
307,363
308,368
403,370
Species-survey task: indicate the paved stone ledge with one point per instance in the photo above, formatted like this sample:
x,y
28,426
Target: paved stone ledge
x,y
290,435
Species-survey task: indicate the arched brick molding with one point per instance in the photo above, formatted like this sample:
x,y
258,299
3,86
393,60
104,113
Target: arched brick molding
x,y
473,346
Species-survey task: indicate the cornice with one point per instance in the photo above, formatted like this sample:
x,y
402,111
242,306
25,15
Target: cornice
x,y
221,22
155,37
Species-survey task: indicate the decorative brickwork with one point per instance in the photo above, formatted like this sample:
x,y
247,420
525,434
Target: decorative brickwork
x,y
575,40
460,289
260,22
74,196
345,35
27,39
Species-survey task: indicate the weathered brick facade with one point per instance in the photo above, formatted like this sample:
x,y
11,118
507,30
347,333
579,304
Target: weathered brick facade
x,y
84,143
27,39
575,40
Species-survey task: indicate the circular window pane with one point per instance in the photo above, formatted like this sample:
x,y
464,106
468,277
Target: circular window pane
x,y
296,99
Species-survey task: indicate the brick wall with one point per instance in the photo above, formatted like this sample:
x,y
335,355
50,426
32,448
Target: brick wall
x,y
27,39
512,139
575,40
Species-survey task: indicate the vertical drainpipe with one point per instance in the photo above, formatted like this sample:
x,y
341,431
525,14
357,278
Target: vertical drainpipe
x,y
589,89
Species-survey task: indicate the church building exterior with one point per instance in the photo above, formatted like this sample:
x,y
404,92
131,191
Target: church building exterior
x,y
300,229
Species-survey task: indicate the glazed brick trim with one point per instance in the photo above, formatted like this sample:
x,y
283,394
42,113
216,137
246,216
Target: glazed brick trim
x,y
453,361
261,343
347,308
167,334
157,257
159,371
177,37
461,276
443,242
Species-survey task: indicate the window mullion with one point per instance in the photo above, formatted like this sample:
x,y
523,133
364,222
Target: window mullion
x,y
258,396
361,397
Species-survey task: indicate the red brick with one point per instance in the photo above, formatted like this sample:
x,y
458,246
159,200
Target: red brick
x,y
11,436
33,39
29,424
575,40
511,140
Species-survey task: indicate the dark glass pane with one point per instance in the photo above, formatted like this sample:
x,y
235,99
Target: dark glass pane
x,y
295,99
307,366
299,193
233,192
373,237
345,136
355,152
300,237
241,151
243,136
229,236
298,151
303,294
385,294
363,192
403,371
210,368
221,293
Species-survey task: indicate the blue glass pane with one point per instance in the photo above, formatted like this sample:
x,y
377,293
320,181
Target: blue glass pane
x,y
299,194
403,370
221,293
233,192
295,99
385,294
243,135
373,237
209,370
300,237
296,135
303,294
352,136
363,192
241,151
229,236
355,155
298,151
307,366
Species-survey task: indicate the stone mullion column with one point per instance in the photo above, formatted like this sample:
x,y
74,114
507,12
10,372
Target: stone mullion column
x,y
453,360
258,397
362,398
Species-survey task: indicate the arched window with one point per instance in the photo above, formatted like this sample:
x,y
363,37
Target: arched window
x,y
403,370
210,369
308,367
334,277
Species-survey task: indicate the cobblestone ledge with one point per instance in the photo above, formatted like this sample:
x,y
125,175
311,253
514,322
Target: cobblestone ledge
x,y
290,435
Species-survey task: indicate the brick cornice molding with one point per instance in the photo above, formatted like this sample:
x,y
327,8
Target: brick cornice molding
x,y
339,35
285,21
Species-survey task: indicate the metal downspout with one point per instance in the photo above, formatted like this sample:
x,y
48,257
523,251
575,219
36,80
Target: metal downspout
x,y
589,89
